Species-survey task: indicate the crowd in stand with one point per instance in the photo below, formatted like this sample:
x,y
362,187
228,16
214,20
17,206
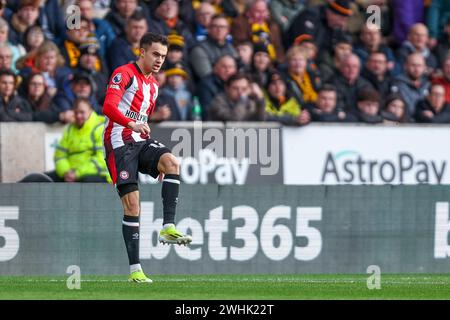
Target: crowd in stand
x,y
292,61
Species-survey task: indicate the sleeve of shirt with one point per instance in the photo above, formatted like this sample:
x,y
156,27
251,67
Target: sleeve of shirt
x,y
117,86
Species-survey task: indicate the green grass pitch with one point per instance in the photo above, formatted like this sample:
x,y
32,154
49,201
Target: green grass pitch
x,y
223,287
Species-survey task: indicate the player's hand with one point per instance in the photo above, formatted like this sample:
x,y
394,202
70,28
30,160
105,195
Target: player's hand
x,y
141,128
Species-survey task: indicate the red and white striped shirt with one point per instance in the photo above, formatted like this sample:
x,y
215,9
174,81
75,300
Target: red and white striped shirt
x,y
129,97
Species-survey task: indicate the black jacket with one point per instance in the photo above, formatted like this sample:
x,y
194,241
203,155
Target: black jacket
x,y
438,117
17,109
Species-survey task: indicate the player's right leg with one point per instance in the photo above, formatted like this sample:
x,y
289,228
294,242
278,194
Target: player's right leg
x,y
130,230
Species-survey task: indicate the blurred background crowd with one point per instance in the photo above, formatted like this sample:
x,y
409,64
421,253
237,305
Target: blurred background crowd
x,y
292,61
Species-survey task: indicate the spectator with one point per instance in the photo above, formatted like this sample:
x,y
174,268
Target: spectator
x,y
261,65
307,44
51,20
35,93
444,78
5,56
325,109
177,88
125,49
34,38
50,63
284,11
417,42
203,17
434,109
214,84
349,83
12,106
324,23
303,83
241,101
443,46
26,16
405,15
377,73
74,37
232,8
165,102
244,50
90,63
79,155
438,15
368,107
281,106
103,30
371,41
164,20
206,52
118,15
5,12
395,110
330,61
256,25
17,51
175,55
413,84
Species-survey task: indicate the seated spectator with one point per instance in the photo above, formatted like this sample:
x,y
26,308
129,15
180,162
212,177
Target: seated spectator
x,y
5,56
245,53
165,102
175,54
71,45
330,61
241,101
371,41
442,48
17,51
50,63
377,73
51,20
284,11
90,63
164,20
261,65
35,93
443,78
103,30
257,26
413,84
307,44
214,84
176,87
349,83
368,107
281,106
34,38
125,49
417,42
26,16
434,109
395,110
325,109
79,155
323,22
203,17
303,83
203,55
437,17
80,86
120,12
12,106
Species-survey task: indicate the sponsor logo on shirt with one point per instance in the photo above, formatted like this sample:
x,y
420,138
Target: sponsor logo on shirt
x,y
136,116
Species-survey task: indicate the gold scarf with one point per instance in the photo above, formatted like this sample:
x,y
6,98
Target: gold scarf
x,y
305,85
263,28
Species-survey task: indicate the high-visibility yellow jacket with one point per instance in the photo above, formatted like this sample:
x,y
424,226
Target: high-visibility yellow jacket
x,y
81,149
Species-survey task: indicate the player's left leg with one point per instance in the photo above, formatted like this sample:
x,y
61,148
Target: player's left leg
x,y
170,166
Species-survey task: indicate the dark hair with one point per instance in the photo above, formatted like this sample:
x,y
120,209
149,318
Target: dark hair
x,y
151,37
328,87
219,16
7,72
235,77
137,15
377,52
79,101
369,95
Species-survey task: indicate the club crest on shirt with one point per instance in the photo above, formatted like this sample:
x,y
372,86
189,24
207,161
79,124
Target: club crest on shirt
x,y
117,78
124,175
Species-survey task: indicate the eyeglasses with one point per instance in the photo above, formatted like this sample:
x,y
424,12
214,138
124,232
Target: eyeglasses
x,y
36,84
219,26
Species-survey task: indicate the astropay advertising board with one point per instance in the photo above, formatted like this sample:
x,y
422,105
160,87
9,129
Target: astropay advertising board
x,y
354,154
